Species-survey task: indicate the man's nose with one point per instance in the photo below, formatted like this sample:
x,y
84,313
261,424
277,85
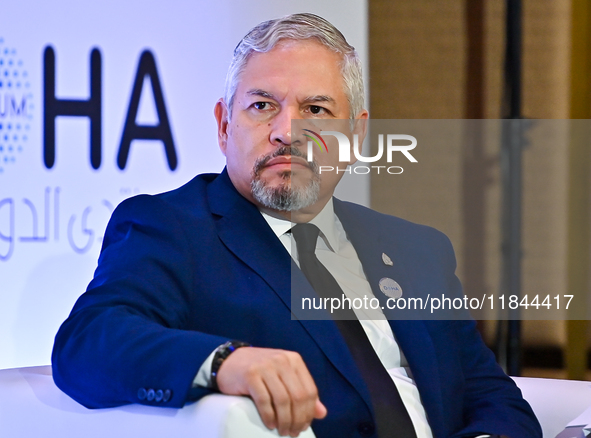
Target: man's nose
x,y
281,132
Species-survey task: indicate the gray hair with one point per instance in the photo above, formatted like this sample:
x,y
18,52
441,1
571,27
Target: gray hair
x,y
265,36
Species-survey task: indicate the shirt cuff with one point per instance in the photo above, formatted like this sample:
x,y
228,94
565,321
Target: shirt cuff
x,y
203,377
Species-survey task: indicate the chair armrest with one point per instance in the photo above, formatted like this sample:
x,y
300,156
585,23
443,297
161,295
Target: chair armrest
x,y
231,416
31,405
554,401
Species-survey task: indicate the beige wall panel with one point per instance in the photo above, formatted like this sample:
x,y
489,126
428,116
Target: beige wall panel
x,y
546,59
546,76
494,53
416,59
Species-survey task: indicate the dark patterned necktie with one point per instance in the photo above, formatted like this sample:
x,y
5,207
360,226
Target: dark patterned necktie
x,y
392,419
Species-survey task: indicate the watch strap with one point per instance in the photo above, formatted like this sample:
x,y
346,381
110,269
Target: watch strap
x,y
221,354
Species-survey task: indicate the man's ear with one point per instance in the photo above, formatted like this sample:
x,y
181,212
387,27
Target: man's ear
x,y
360,128
220,112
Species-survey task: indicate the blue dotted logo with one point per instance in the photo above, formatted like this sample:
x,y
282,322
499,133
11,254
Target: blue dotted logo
x,y
16,106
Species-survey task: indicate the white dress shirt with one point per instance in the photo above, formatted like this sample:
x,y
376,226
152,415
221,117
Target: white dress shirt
x,y
337,254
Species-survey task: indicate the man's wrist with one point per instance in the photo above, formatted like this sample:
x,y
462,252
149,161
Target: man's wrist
x,y
221,354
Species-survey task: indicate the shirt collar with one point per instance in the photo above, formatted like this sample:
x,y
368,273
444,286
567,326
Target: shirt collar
x,y
325,221
279,226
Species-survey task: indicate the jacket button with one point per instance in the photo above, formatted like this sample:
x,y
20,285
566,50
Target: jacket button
x,y
167,395
141,393
159,395
151,394
366,429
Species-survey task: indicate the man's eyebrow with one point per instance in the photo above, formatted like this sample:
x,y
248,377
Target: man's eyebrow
x,y
262,93
318,98
308,100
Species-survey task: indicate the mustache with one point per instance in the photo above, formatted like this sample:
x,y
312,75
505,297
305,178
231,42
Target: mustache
x,y
283,150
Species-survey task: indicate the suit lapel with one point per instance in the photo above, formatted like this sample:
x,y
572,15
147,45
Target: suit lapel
x,y
244,231
412,336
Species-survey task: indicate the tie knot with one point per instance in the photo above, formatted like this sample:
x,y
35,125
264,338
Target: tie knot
x,y
306,236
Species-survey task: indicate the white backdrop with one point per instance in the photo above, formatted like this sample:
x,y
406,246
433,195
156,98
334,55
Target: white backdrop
x,y
52,219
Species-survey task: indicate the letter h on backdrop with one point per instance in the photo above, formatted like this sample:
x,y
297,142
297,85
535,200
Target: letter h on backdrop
x,y
54,107
91,108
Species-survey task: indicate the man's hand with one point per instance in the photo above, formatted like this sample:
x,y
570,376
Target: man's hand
x,y
279,383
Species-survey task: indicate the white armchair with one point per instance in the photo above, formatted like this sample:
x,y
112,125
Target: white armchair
x,y
555,402
32,406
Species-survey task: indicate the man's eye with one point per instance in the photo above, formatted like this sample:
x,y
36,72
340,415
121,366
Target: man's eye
x,y
261,105
314,109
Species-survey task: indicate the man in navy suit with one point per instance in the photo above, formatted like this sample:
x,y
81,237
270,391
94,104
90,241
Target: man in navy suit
x,y
187,278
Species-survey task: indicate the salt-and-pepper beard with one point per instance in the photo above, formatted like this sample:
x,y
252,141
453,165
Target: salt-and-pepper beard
x,y
285,197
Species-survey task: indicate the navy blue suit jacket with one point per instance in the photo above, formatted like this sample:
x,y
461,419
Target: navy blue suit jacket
x,y
182,272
